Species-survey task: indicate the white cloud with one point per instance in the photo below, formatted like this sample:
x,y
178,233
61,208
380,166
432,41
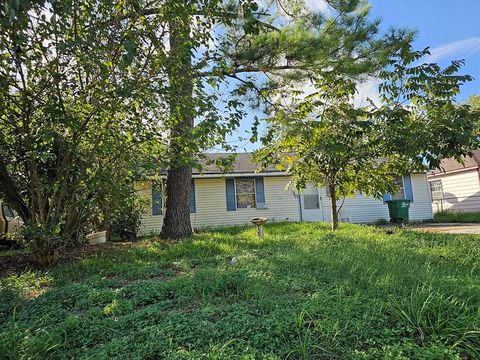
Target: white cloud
x,y
367,89
319,6
455,49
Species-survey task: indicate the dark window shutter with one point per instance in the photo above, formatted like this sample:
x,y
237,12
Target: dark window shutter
x,y
193,206
407,184
230,187
260,190
157,200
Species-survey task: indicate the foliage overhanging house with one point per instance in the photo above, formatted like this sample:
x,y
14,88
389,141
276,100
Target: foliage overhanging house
x,y
457,186
236,197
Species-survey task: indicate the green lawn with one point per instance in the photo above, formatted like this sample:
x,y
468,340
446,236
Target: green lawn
x,y
303,292
457,217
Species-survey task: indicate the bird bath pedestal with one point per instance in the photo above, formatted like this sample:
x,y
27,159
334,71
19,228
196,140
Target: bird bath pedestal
x,y
259,222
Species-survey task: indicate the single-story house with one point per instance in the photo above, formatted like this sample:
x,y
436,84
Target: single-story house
x,y
236,197
456,186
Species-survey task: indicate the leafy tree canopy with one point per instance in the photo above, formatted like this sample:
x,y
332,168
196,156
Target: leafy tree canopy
x,y
325,139
78,113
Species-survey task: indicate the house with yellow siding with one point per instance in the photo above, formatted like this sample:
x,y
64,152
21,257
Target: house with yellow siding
x,y
234,198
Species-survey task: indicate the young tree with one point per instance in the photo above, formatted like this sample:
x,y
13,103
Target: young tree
x,y
323,138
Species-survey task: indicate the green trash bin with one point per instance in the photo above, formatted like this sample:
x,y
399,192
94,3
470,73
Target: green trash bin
x,y
398,210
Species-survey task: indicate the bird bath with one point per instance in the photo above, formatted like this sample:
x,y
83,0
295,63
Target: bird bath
x,y
259,222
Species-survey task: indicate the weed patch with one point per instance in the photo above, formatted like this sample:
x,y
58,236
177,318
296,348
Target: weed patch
x,y
301,292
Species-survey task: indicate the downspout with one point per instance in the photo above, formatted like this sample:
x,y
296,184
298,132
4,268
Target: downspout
x,y
300,205
429,192
321,206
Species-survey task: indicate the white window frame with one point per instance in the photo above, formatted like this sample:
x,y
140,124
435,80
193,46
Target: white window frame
x,y
254,192
403,190
436,181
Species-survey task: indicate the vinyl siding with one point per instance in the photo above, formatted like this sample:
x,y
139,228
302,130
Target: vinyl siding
x,y
461,191
282,205
363,209
421,208
211,205
149,223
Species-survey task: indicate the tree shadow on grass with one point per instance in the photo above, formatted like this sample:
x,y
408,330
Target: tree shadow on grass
x,y
317,293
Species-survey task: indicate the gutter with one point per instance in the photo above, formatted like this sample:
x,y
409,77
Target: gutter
x,y
230,175
452,171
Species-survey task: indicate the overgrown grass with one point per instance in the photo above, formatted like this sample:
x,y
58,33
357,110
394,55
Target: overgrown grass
x,y
456,217
303,292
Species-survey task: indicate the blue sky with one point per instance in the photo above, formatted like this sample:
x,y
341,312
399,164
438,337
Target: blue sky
x,y
450,28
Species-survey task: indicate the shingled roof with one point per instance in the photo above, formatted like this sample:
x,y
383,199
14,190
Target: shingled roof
x,y
449,165
244,164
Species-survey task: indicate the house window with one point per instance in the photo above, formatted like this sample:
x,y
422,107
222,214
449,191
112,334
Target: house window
x,y
311,202
245,193
400,193
7,212
436,189
158,199
436,185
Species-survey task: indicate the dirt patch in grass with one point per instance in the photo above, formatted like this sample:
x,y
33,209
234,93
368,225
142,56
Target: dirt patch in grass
x,y
19,261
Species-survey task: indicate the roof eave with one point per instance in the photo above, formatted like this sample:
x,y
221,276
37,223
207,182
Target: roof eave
x,y
234,174
441,173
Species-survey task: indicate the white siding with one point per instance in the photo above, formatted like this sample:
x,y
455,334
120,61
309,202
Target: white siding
x,y
421,208
461,191
149,223
362,209
282,205
211,205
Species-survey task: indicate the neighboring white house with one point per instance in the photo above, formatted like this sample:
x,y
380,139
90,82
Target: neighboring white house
x,y
457,186
236,197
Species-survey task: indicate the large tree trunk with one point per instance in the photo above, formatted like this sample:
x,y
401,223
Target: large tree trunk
x,y
176,222
333,203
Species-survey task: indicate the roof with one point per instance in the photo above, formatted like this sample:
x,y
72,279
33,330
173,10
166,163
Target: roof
x,y
244,164
449,165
